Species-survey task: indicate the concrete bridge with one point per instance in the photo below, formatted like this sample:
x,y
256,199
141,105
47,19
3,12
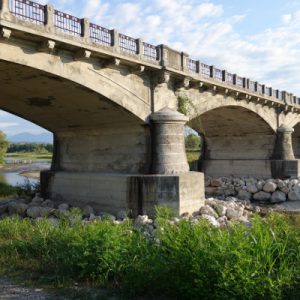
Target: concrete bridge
x,y
112,103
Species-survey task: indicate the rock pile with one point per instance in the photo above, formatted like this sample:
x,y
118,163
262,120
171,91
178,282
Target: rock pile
x,y
268,190
219,213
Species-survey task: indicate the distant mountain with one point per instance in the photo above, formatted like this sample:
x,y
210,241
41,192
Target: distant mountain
x,y
26,137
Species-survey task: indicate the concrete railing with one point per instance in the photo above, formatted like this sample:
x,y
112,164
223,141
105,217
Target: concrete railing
x,y
46,15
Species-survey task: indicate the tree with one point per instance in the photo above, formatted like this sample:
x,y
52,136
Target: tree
x,y
192,142
3,146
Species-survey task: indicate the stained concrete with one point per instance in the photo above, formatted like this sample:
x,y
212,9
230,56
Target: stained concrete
x,y
98,101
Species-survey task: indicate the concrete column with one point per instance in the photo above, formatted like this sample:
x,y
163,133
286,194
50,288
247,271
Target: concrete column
x,y
49,14
115,39
284,147
140,47
284,165
5,12
169,156
85,23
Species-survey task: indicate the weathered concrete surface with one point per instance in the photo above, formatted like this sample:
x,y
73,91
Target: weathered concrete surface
x,y
123,147
285,168
237,167
136,193
104,105
169,156
284,148
237,142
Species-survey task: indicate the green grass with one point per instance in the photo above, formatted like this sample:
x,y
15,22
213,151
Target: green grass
x,y
7,190
26,189
183,261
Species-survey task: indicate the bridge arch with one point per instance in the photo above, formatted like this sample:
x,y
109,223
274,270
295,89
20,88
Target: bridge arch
x,y
98,120
113,85
238,141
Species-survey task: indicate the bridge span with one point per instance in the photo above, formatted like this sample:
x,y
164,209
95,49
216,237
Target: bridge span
x,y
112,102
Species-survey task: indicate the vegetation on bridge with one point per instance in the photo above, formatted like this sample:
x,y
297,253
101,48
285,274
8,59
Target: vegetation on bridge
x,y
3,145
182,261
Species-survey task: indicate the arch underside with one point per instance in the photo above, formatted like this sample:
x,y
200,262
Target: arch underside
x,y
237,142
92,132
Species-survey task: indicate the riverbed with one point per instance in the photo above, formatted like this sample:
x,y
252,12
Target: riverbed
x,y
20,172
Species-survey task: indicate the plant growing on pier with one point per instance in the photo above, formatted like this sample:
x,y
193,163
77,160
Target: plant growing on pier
x,y
3,145
182,104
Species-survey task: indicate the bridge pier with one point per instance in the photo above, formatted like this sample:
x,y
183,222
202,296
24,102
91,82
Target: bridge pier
x,y
284,163
118,179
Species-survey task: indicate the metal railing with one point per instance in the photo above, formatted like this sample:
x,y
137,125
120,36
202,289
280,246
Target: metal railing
x,y
192,65
39,14
229,78
28,11
218,74
127,44
252,85
67,23
100,35
268,91
150,51
259,89
239,81
205,70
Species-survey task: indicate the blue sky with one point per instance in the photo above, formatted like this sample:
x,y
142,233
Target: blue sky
x,y
256,39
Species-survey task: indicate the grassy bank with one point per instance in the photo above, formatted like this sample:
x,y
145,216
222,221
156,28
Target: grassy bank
x,y
181,261
7,190
26,189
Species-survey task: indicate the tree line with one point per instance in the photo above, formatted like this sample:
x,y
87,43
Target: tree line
x,y
38,148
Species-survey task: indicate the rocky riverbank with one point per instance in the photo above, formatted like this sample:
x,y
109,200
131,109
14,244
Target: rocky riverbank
x,y
217,212
254,189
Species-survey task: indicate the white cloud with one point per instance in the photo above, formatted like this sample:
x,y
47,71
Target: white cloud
x,y
4,125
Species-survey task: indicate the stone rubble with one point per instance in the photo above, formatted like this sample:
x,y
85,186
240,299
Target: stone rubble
x,y
229,200
218,213
262,190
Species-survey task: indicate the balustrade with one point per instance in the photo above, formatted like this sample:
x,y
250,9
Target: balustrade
x,y
28,11
43,15
100,35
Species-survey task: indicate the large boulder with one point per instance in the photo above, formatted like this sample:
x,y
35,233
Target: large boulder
x,y
262,196
36,201
270,187
260,184
220,209
48,203
278,197
294,196
244,195
252,188
35,212
63,207
15,208
212,220
234,214
216,182
207,210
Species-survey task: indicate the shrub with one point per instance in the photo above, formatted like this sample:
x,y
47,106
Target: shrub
x,y
182,261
